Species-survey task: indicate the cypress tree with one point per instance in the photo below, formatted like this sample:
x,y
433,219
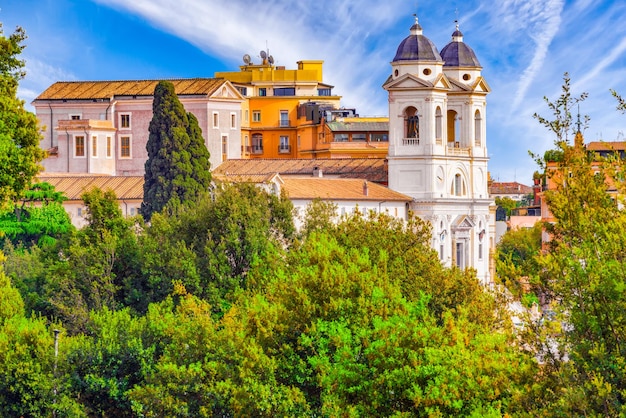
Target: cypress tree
x,y
177,169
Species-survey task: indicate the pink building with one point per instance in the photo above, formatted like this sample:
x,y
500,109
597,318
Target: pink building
x,y
101,127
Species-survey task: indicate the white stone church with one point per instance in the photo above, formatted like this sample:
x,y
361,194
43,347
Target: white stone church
x,y
437,146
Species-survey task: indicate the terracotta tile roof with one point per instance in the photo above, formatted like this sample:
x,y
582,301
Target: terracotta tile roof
x,y
245,178
339,189
606,146
511,187
372,169
73,185
94,90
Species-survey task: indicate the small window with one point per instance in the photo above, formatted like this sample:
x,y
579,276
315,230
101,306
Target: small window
x,y
359,137
379,138
427,71
324,92
79,212
246,116
284,118
94,146
216,120
256,116
109,152
283,147
125,151
466,77
340,138
125,121
262,91
257,144
233,121
243,90
285,91
79,146
74,117
224,147
133,211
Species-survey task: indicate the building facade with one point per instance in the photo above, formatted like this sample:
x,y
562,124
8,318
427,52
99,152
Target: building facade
x,y
101,127
437,146
281,118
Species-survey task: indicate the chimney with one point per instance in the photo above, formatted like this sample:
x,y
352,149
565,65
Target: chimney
x,y
365,190
317,172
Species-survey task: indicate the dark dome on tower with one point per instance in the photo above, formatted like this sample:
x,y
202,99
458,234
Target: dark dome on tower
x,y
417,47
457,53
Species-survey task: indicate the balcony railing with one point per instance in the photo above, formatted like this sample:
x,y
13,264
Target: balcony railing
x,y
284,124
410,141
284,149
256,149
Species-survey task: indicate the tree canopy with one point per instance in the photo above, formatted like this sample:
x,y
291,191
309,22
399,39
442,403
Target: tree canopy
x,y
19,131
178,168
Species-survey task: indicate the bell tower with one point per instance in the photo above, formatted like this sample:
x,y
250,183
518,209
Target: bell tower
x,y
437,145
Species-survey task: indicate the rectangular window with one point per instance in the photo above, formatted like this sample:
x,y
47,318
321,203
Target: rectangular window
x,y
74,117
324,92
246,116
243,90
283,147
480,250
284,118
79,212
379,137
256,116
262,91
257,144
359,137
133,211
109,152
125,147
285,91
233,121
341,138
94,146
224,147
246,145
216,120
125,121
79,146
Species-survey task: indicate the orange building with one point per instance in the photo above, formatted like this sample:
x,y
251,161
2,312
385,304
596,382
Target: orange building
x,y
354,137
283,113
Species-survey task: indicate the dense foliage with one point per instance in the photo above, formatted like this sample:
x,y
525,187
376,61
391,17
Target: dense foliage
x,y
19,134
177,169
220,309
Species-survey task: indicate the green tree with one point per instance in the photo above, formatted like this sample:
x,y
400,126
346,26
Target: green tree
x,y
39,219
19,133
507,204
177,169
583,269
516,259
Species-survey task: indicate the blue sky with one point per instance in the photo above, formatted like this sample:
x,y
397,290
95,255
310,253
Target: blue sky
x,y
524,46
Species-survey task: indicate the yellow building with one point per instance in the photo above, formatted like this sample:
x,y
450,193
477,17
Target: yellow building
x,y
282,115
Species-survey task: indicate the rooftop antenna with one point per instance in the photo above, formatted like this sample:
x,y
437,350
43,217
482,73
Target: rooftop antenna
x,y
456,21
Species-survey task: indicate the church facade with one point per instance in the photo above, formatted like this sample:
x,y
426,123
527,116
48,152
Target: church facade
x,y
437,146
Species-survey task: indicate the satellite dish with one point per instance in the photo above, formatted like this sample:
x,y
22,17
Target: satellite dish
x,y
246,59
270,59
263,54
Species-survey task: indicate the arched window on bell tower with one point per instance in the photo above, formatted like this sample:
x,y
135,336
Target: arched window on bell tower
x,y
438,126
453,129
412,123
458,187
478,122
